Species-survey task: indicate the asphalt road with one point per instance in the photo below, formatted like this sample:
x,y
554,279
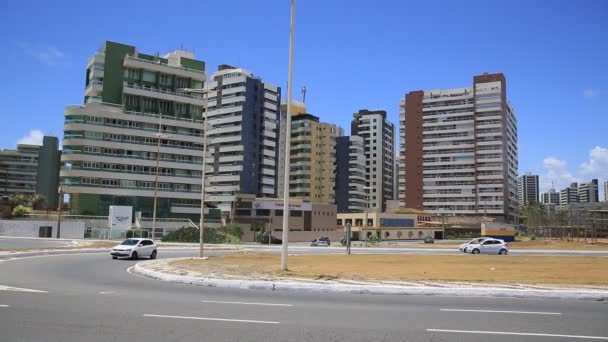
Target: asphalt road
x,y
91,297
9,242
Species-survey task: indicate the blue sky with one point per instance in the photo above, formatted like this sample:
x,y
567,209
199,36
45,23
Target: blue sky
x,y
349,54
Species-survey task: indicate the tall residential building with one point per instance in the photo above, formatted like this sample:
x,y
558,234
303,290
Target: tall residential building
x,y
459,150
606,191
527,189
568,195
550,198
132,102
312,159
244,137
350,174
589,192
32,169
297,107
378,134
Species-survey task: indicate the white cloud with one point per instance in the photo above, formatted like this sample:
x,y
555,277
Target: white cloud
x,y
557,176
33,138
590,92
597,166
47,54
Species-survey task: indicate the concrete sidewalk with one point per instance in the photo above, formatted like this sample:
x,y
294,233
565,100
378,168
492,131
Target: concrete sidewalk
x,y
161,270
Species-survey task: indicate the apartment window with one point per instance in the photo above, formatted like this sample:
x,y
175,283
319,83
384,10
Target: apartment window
x,y
149,77
165,107
131,75
181,108
181,82
131,101
149,105
166,80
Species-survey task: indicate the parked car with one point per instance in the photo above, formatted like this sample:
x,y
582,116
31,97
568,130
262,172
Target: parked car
x,y
320,242
429,239
273,240
463,247
134,249
322,238
489,246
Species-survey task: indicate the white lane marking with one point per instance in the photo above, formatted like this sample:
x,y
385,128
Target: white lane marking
x,y
503,311
107,292
212,319
4,306
19,289
245,303
516,334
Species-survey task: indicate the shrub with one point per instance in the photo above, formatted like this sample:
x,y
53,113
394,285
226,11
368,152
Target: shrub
x,y
533,237
228,234
21,210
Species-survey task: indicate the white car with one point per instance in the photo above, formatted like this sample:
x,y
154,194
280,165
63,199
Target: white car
x,y
489,246
463,247
134,249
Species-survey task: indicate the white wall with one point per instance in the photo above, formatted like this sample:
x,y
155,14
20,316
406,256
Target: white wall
x,y
21,228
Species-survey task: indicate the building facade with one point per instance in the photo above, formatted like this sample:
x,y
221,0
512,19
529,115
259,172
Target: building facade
x,y
459,150
244,137
378,140
589,192
350,174
550,199
568,195
297,107
527,189
31,170
606,191
135,116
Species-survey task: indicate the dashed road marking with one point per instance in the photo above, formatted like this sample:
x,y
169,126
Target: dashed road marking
x,y
19,289
503,311
245,303
212,319
516,334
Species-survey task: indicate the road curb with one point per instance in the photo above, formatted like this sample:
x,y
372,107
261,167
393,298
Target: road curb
x,y
367,288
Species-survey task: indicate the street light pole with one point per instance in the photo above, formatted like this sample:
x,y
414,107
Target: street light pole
x,y
202,223
205,92
59,209
288,143
158,135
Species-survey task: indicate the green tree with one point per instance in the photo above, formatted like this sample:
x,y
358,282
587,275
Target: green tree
x,y
20,211
17,200
38,202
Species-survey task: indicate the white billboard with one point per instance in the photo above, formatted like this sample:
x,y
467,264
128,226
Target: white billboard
x,y
304,206
120,217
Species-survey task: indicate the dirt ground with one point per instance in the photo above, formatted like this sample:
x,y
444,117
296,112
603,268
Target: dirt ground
x,y
545,270
535,244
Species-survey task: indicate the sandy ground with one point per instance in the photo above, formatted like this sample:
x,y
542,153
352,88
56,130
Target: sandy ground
x,y
541,270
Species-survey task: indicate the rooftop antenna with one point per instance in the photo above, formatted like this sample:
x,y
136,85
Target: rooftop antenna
x,y
303,94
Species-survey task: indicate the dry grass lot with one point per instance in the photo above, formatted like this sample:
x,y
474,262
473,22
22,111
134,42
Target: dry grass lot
x,y
554,270
536,244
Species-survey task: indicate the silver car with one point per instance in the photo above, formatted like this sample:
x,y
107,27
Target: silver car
x,y
464,246
489,246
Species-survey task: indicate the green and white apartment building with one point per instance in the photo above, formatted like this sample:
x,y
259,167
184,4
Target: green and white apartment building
x,y
110,142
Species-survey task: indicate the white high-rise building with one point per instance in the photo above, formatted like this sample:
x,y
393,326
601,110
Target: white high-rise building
x,y
527,188
378,134
459,150
243,137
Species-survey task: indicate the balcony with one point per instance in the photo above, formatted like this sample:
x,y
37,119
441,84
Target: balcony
x,y
136,89
139,63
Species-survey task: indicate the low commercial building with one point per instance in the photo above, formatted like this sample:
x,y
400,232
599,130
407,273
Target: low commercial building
x,y
404,225
307,221
498,230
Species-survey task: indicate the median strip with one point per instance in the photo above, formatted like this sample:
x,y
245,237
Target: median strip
x,y
212,319
515,334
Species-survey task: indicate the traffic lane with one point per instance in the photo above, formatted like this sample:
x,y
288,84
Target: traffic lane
x,y
80,272
315,317
18,243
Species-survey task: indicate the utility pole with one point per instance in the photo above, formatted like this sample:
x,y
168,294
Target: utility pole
x,y
288,143
59,210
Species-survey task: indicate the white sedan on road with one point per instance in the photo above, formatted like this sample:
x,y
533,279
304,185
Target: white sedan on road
x,y
488,246
464,246
134,249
